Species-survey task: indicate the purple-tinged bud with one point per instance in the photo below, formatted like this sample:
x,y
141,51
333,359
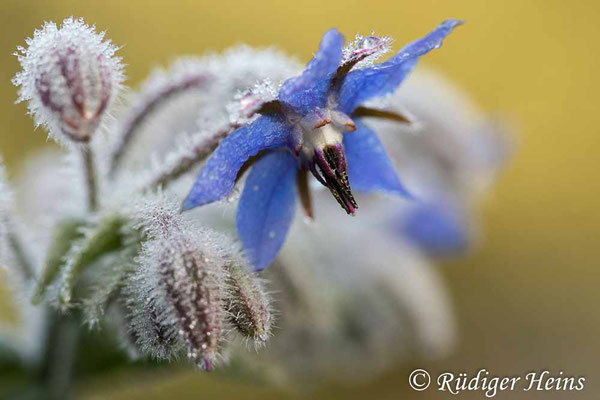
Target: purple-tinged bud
x,y
191,287
70,77
247,303
178,288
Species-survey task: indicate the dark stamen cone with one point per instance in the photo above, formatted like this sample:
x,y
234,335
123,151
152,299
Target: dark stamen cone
x,y
332,165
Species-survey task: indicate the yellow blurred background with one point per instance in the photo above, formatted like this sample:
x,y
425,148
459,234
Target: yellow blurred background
x,y
526,299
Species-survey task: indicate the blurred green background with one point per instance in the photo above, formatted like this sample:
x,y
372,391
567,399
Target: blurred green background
x,y
526,299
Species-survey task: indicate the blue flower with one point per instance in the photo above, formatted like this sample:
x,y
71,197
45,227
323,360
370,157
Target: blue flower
x,y
314,125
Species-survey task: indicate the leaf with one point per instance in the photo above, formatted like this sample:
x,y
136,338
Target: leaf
x,y
65,234
105,237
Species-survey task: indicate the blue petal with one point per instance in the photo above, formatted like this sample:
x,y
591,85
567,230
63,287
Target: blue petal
x,y
363,84
436,230
369,167
267,206
217,178
310,90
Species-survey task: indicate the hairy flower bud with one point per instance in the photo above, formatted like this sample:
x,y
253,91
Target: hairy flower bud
x,y
176,296
177,301
69,78
147,329
192,289
247,303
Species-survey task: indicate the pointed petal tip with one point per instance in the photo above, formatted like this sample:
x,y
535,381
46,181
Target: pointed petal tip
x,y
401,191
407,195
188,204
332,33
453,23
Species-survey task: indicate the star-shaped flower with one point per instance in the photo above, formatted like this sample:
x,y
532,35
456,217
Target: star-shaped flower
x,y
314,124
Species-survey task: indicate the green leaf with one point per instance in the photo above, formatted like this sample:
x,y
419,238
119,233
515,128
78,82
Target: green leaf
x,y
106,237
65,234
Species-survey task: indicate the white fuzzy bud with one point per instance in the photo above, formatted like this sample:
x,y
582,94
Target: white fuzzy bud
x,y
69,78
176,296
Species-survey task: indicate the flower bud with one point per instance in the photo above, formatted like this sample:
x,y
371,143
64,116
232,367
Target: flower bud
x,y
176,301
147,331
176,295
247,303
69,78
191,288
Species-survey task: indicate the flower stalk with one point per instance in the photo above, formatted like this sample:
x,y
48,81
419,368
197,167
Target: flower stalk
x,y
91,179
188,160
148,105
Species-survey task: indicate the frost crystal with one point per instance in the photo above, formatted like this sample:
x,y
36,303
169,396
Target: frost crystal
x,y
189,96
70,77
247,103
176,297
363,51
179,90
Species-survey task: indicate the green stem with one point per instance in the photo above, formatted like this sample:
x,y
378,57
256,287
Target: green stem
x,y
90,176
59,355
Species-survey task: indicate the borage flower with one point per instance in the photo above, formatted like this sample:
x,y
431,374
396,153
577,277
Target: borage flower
x,y
314,125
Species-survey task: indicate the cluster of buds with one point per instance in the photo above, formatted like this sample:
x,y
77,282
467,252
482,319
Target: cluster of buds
x,y
173,287
190,288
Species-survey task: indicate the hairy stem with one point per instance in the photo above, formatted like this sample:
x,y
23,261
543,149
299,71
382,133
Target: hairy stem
x,y
91,180
188,160
140,112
